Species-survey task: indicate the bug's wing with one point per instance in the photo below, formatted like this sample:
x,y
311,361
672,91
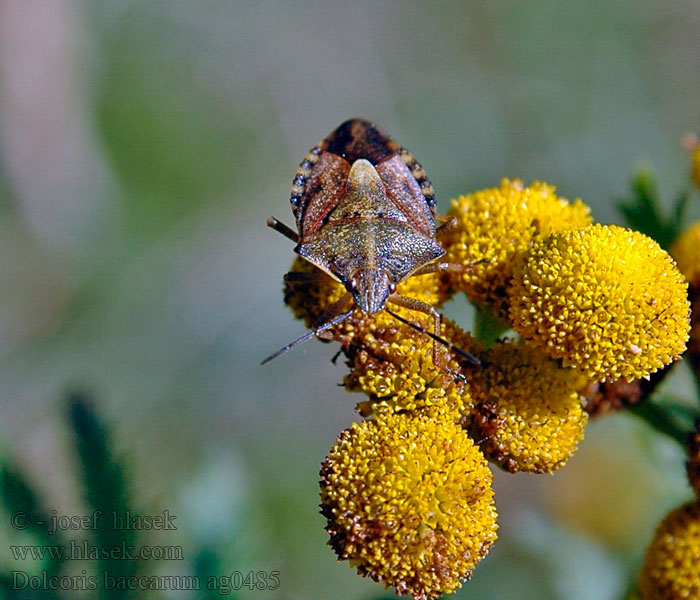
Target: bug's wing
x,y
405,192
407,184
315,193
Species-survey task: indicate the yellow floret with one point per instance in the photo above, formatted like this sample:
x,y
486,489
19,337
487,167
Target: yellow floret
x,y
686,251
409,503
671,569
394,366
604,299
493,226
529,414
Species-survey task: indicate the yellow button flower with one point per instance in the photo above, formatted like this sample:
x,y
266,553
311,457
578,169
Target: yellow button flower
x,y
409,503
686,250
604,299
530,415
493,225
671,569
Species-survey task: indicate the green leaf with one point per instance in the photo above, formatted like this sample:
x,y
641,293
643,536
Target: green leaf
x,y
643,210
19,498
658,417
207,564
105,489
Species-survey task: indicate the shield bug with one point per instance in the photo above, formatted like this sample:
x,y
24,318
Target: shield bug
x,y
365,214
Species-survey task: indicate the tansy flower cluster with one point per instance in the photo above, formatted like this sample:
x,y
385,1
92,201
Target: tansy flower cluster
x,y
496,225
670,571
671,567
603,299
407,491
408,500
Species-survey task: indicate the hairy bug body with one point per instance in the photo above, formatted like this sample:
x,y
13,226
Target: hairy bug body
x,y
365,214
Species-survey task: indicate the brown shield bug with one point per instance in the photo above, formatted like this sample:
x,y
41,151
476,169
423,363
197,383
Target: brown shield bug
x,y
365,214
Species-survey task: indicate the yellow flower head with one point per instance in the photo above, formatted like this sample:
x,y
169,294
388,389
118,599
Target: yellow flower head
x,y
604,299
394,366
686,251
530,414
409,503
670,571
493,226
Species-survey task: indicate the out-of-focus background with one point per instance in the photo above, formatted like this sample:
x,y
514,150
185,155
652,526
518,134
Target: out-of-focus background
x,y
142,147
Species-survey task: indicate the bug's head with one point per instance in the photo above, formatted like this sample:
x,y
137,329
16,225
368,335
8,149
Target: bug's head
x,y
370,287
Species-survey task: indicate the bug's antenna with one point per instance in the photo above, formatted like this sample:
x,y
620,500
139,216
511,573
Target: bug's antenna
x,y
472,359
308,335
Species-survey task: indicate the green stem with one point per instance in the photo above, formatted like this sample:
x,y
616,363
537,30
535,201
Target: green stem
x,y
662,421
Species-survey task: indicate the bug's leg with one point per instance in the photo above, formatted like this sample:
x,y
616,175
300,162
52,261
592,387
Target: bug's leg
x,y
332,316
469,357
442,267
447,224
332,312
417,305
280,227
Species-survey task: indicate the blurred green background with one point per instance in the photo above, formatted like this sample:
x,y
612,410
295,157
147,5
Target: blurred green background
x,y
142,147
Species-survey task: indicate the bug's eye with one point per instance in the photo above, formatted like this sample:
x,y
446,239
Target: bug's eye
x,y
350,285
392,287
